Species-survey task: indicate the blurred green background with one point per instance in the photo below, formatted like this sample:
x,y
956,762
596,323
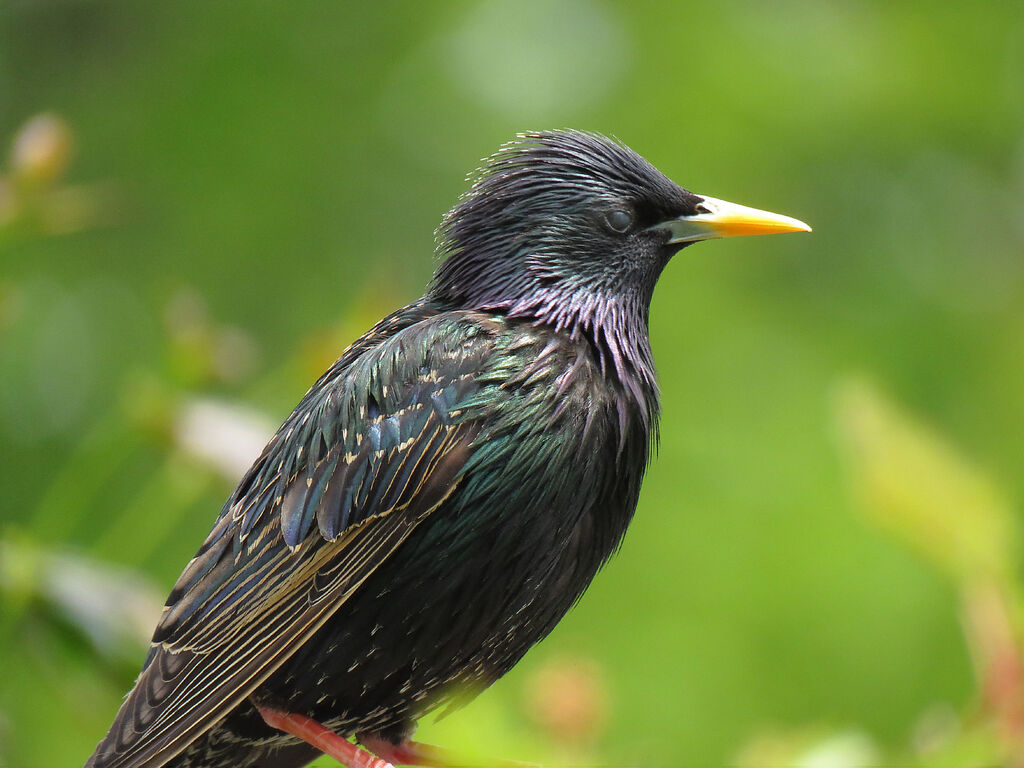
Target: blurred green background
x,y
202,203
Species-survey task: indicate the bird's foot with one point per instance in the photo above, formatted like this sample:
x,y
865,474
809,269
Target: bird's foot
x,y
322,737
427,755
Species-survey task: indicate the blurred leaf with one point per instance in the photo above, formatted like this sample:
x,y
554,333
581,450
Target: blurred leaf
x,y
913,484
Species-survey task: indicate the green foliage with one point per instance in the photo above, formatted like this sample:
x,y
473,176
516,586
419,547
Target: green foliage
x,y
201,206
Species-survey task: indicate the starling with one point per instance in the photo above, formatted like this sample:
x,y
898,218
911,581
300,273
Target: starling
x,y
445,492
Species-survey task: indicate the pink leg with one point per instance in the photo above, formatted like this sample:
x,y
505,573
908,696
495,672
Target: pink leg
x,y
426,755
324,739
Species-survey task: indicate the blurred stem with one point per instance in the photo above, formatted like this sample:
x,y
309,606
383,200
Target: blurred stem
x,y
998,661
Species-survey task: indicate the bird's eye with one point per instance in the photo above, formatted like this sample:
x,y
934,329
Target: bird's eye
x,y
619,220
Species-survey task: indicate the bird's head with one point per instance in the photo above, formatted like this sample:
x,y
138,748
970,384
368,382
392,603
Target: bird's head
x,y
565,226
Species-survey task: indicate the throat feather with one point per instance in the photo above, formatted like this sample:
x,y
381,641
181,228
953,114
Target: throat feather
x,y
617,330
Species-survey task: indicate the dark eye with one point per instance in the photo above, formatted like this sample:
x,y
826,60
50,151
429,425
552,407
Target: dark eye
x,y
619,220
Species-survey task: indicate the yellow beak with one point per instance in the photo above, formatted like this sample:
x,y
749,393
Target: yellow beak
x,y
724,219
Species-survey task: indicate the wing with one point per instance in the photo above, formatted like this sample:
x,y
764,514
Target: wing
x,y
374,447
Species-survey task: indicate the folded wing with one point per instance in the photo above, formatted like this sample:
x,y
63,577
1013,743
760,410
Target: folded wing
x,y
374,447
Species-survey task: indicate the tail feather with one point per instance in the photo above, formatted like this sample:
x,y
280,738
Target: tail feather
x,y
223,747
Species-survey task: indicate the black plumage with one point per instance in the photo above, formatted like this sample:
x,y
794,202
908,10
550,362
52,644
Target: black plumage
x,y
443,494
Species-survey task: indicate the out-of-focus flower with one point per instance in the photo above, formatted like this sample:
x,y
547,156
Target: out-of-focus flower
x,y
935,729
114,607
568,698
226,436
810,748
41,151
34,198
201,351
